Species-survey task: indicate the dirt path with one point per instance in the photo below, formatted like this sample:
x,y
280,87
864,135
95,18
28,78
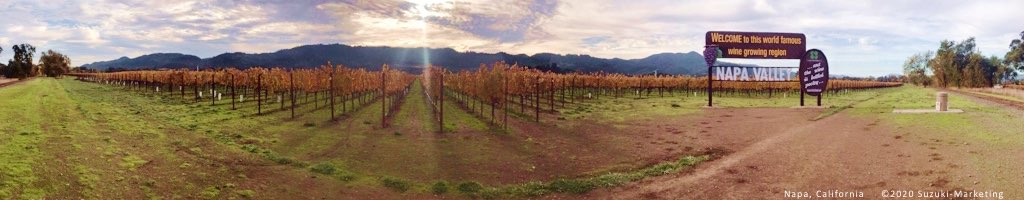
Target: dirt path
x,y
992,100
10,81
856,154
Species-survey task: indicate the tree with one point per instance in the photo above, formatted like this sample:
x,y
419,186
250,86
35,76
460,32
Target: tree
x,y
916,68
1003,72
1014,59
3,68
962,65
942,65
54,64
21,65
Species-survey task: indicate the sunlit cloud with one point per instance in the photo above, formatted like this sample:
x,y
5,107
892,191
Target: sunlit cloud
x,y
860,37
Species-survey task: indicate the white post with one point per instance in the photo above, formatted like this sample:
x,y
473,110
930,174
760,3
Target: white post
x,y
942,101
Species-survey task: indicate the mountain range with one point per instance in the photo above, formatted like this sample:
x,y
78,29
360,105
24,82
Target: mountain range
x,y
373,58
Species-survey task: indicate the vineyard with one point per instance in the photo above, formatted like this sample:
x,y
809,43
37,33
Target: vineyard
x,y
501,125
492,93
266,87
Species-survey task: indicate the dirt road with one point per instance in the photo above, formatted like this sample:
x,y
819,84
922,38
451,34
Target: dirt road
x,y
844,155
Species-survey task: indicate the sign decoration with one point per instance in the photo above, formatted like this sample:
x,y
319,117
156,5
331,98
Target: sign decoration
x,y
813,72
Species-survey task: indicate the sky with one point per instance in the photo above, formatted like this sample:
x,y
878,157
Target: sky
x,y
860,38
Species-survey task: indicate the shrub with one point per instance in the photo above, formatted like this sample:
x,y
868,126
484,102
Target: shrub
x,y
692,160
572,186
395,184
470,187
248,194
491,193
530,189
210,193
439,187
323,168
660,169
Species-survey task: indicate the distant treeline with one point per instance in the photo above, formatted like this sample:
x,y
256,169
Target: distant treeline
x,y
960,64
51,63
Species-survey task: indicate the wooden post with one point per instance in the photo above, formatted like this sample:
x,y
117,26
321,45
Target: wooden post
x,y
551,94
709,86
195,89
384,98
440,97
259,85
536,99
504,100
213,93
819,98
232,91
331,92
801,96
291,88
181,87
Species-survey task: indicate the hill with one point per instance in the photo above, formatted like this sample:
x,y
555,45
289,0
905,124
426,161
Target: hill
x,y
373,58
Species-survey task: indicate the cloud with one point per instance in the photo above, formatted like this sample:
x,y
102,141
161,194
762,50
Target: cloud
x,y
861,37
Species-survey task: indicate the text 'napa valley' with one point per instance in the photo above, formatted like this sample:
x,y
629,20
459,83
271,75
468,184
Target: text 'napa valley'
x,y
767,74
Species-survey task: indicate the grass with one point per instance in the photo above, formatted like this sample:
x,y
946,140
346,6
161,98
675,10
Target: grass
x,y
396,184
323,168
130,129
210,192
630,107
981,125
439,187
579,185
985,123
132,162
470,187
99,138
21,122
279,139
333,171
248,194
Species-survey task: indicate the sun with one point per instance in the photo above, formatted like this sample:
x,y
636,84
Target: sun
x,y
422,10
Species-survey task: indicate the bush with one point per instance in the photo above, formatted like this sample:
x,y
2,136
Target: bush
x,y
530,189
248,194
660,169
470,187
210,193
345,175
691,160
395,184
323,168
572,186
439,187
491,193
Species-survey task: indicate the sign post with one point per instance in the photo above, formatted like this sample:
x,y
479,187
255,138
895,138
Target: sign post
x,y
812,72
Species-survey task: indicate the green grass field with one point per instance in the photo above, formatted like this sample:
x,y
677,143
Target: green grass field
x,y
68,139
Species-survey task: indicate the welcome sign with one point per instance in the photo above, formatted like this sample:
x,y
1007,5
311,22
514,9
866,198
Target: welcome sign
x,y
758,45
812,72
